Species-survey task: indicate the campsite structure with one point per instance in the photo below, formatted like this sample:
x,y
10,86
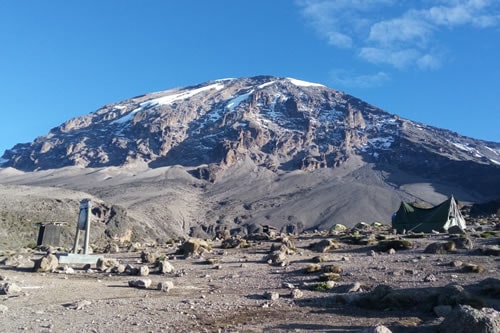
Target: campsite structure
x,y
439,218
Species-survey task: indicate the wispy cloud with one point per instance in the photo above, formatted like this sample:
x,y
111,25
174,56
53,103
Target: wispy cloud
x,y
350,79
395,33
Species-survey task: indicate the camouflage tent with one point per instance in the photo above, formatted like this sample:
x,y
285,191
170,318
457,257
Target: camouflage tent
x,y
440,218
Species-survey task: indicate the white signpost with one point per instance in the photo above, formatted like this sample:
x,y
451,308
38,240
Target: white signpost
x,y
83,224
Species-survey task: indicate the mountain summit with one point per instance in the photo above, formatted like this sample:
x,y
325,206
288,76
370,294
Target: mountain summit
x,y
278,123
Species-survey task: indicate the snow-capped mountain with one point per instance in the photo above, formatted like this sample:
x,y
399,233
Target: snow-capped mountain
x,y
279,123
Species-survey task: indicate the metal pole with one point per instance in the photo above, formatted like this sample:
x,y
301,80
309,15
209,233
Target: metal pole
x,y
87,229
77,238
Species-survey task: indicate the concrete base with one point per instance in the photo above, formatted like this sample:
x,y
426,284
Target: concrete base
x,y
72,258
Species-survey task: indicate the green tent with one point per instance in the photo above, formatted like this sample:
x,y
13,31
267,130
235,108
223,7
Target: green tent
x,y
439,218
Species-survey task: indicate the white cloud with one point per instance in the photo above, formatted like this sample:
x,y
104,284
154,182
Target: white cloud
x,y
402,29
396,33
428,61
400,58
339,39
349,79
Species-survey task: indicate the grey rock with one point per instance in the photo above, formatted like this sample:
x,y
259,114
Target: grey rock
x,y
149,257
166,267
296,293
79,305
103,264
463,243
377,329
140,283
3,308
165,286
440,248
143,270
430,278
466,319
47,263
272,295
324,245
10,289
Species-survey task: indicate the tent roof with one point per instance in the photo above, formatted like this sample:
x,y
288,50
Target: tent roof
x,y
440,217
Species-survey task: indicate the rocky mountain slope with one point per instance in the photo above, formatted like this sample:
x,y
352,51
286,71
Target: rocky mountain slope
x,y
254,150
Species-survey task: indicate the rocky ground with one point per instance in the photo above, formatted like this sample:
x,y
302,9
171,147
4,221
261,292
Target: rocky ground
x,y
337,281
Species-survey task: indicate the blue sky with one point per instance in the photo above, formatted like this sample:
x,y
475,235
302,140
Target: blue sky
x,y
431,61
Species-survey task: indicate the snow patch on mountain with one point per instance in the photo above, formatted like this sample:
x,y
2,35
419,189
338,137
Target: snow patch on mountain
x,y
300,83
166,100
494,151
233,103
262,86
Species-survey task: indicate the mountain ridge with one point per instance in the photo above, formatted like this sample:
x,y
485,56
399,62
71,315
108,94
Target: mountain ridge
x,y
148,126
267,150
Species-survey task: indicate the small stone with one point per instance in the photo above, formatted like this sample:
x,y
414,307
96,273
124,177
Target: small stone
x,y
143,270
430,278
456,263
166,267
10,289
79,305
355,288
68,270
272,295
103,264
372,253
392,251
377,329
120,269
140,283
345,258
3,308
324,245
288,285
296,293
212,261
165,286
332,269
330,284
312,268
329,277
473,268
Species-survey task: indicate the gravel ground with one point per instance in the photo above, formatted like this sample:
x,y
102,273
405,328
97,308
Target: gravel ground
x,y
231,295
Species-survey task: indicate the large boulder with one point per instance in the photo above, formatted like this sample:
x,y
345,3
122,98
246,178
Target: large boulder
x,y
104,264
47,263
465,319
166,267
194,246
